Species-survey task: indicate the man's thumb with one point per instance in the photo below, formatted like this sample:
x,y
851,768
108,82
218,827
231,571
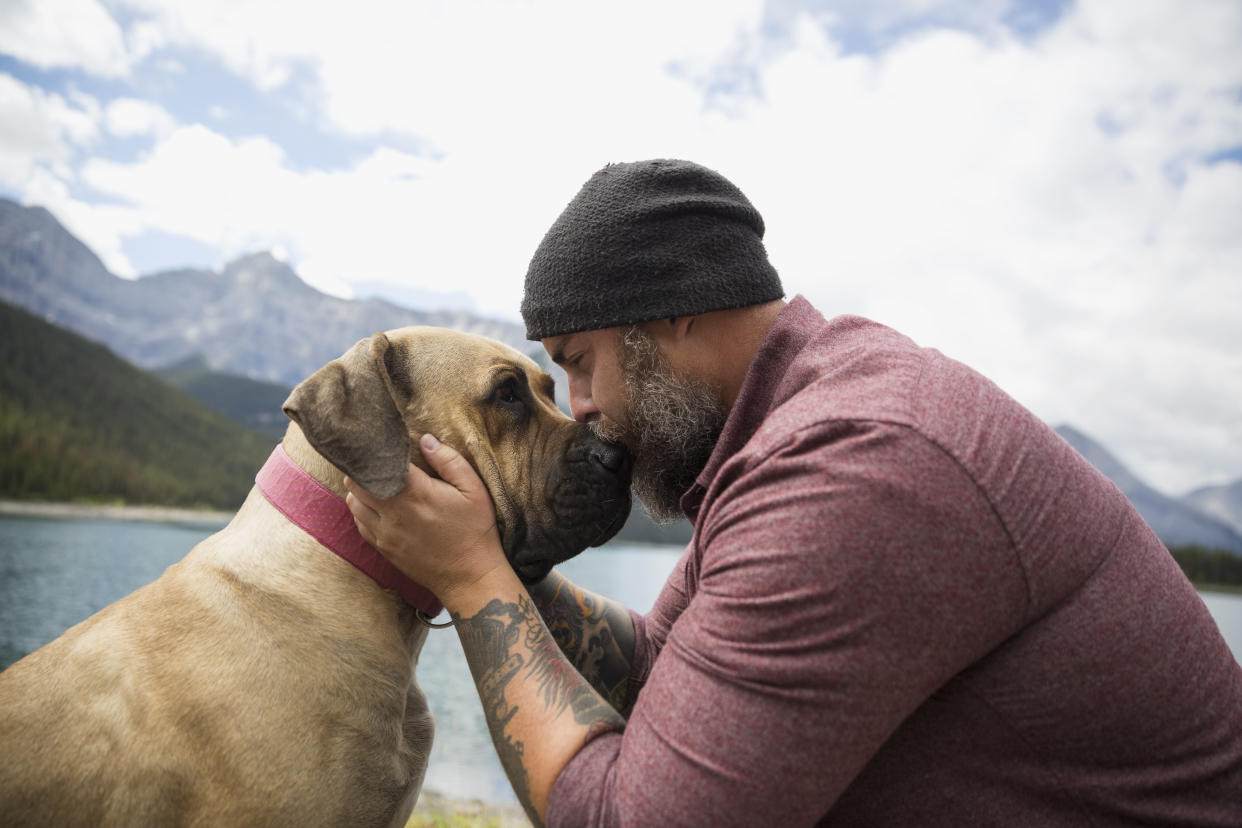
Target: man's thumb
x,y
446,461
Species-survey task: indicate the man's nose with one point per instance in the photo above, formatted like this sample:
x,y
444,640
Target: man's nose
x,y
581,405
583,409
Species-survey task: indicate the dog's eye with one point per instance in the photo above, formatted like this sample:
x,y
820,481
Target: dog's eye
x,y
507,394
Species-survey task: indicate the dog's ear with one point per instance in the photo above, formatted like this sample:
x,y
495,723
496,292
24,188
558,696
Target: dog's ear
x,y
350,411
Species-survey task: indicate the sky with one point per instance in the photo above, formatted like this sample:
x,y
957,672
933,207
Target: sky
x,y
1049,191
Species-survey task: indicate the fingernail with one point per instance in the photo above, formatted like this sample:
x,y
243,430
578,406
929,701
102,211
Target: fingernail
x,y
430,443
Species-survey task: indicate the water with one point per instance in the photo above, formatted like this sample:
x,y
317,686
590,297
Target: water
x,y
1227,610
55,573
463,761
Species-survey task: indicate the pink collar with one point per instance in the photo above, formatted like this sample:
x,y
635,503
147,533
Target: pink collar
x,y
326,518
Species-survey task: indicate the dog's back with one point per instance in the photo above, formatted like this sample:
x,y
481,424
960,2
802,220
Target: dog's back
x,y
261,680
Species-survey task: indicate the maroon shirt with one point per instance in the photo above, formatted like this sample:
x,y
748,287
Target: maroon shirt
x,y
909,602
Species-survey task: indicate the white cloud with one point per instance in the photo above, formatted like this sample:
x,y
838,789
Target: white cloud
x,y
200,184
128,117
102,228
369,220
55,34
261,41
964,191
41,128
1038,209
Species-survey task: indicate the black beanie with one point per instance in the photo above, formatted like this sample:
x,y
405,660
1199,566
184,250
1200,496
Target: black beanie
x,y
647,240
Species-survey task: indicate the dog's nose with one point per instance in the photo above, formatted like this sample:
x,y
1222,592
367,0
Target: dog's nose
x,y
612,457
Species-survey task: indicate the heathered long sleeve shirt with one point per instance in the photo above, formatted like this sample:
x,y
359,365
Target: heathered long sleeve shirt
x,y
909,602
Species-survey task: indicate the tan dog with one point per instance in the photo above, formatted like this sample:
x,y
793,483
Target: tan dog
x,y
263,680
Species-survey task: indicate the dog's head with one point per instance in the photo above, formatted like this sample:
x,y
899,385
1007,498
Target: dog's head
x,y
557,488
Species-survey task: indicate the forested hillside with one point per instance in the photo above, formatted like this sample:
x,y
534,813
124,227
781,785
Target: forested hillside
x,y
79,423
251,402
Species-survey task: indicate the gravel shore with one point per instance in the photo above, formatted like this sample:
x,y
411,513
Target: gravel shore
x,y
105,511
438,811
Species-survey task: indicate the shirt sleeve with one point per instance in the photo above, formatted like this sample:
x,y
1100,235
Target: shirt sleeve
x,y
651,630
843,576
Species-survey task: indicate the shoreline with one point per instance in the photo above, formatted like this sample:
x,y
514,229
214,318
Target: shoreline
x,y
61,510
216,519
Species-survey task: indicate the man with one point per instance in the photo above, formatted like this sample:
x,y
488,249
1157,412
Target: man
x,y
907,601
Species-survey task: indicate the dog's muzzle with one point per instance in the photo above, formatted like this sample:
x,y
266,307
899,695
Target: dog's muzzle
x,y
587,504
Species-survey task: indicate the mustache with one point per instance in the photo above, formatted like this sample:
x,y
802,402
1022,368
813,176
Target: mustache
x,y
670,426
610,432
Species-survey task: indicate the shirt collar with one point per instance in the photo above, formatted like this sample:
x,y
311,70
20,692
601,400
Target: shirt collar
x,y
764,388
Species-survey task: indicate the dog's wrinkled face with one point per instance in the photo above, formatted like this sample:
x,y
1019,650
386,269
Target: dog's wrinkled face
x,y
557,488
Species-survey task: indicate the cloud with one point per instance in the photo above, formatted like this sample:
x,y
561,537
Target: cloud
x,y
262,41
426,69
968,192
197,183
41,128
1037,200
76,34
101,227
364,220
129,117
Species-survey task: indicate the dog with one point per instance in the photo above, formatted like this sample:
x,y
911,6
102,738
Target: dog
x,y
264,679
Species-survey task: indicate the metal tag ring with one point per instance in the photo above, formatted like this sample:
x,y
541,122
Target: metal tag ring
x,y
428,622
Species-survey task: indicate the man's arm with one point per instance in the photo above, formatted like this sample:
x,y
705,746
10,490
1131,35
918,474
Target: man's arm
x,y
595,633
539,709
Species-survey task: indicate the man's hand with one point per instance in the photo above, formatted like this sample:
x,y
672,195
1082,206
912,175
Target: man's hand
x,y
441,533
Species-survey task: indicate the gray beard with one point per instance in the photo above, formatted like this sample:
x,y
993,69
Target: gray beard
x,y
672,426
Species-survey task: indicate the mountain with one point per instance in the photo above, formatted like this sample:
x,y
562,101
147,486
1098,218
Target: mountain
x,y
1221,502
252,403
235,341
1175,522
78,422
255,318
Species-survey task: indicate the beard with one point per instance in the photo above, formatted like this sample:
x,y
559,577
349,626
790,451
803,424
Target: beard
x,y
672,425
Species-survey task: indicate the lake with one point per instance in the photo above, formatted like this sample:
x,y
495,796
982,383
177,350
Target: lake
x,y
55,573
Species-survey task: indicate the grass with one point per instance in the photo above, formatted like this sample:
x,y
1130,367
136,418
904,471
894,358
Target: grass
x,y
438,811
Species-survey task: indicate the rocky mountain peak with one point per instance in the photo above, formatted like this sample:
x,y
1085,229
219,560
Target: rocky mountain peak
x,y
263,274
255,317
1174,521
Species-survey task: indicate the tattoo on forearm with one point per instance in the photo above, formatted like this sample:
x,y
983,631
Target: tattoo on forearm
x,y
505,640
597,635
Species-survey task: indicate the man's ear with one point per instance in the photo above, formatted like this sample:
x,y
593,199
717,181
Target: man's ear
x,y
672,330
350,413
680,326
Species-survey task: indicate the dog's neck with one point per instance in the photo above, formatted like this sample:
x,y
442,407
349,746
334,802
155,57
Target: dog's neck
x,y
308,490
300,451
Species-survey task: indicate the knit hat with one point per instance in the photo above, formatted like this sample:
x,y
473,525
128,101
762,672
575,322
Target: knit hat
x,y
647,240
